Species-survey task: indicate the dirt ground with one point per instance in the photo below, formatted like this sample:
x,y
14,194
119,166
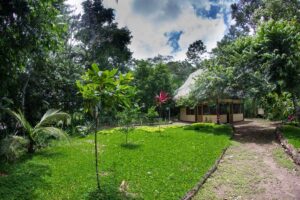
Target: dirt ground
x,y
254,167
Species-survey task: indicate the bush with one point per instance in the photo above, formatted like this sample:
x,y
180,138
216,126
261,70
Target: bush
x,y
151,114
293,123
225,129
13,147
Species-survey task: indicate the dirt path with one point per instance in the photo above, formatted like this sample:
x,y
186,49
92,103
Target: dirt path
x,y
254,167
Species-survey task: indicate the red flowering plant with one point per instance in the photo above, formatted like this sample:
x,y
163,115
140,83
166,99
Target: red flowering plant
x,y
161,99
291,118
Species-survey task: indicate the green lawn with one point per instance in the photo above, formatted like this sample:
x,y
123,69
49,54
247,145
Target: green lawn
x,y
154,165
292,134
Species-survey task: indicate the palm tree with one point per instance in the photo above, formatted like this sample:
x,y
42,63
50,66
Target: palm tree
x,y
43,130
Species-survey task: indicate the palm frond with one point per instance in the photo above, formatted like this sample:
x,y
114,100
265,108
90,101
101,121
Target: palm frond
x,y
21,118
53,116
49,132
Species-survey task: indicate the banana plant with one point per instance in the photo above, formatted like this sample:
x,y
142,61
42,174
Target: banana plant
x,y
44,130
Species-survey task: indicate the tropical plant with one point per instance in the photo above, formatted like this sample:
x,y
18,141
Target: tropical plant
x,y
102,91
127,118
152,114
40,134
277,44
161,99
13,147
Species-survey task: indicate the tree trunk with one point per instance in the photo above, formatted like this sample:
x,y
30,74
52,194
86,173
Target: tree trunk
x,y
218,111
31,144
96,149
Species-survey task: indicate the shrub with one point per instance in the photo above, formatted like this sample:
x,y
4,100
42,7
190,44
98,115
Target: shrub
x,y
151,114
293,123
222,128
13,147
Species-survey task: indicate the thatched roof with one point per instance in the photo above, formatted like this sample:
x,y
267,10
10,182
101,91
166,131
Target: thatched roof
x,y
186,88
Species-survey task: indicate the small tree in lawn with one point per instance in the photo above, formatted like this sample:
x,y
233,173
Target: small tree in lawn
x,y
161,99
102,90
126,119
151,114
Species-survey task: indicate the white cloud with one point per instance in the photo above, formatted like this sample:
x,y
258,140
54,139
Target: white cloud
x,y
149,30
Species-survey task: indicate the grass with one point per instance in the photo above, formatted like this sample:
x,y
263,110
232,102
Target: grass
x,y
153,165
292,134
235,176
282,159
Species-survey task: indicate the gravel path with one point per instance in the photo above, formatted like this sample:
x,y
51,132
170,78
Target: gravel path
x,y
254,167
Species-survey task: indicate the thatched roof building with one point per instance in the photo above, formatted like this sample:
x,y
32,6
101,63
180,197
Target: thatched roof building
x,y
220,111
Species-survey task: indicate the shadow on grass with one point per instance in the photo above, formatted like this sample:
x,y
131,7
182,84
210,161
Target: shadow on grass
x,y
131,146
22,179
163,135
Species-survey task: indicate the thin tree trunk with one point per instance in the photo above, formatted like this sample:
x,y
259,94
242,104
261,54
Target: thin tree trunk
x,y
96,149
30,148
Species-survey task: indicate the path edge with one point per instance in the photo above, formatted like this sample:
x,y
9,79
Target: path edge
x,y
288,148
190,194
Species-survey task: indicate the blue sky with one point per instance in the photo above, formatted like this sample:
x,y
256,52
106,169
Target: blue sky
x,y
167,27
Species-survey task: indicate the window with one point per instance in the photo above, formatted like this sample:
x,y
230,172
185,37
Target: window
x,y
223,109
190,111
213,109
236,108
209,110
205,110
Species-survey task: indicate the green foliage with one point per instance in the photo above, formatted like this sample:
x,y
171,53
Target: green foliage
x,y
277,107
102,40
223,129
154,168
292,134
13,147
249,14
186,101
127,118
37,61
29,30
40,134
277,43
102,90
195,51
152,114
150,80
292,123
180,71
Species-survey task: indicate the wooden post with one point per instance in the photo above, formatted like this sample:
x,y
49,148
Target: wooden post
x,y
196,113
217,110
231,113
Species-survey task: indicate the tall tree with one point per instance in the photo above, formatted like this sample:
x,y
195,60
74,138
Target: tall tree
x,y
248,14
32,33
278,50
195,51
150,80
101,40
